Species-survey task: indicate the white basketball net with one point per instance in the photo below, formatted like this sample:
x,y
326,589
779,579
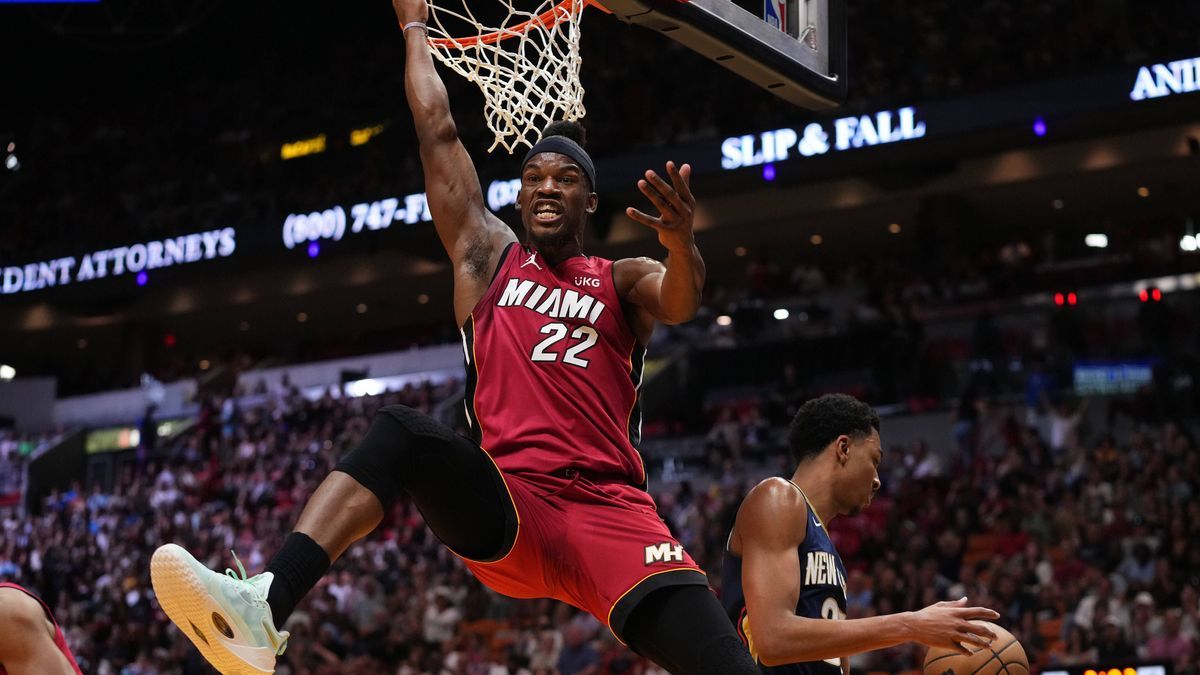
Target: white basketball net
x,y
527,67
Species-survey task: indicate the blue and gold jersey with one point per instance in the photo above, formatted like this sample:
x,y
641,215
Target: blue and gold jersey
x,y
822,593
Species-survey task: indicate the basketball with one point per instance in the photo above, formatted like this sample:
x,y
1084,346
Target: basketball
x,y
1006,655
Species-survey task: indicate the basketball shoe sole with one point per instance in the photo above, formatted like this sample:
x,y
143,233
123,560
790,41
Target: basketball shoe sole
x,y
226,617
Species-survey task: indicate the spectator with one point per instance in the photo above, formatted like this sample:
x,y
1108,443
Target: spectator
x,y
1064,423
441,620
578,657
1075,650
1111,644
1172,645
1144,624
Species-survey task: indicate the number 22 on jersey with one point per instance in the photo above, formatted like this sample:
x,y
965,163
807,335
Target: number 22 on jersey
x,y
583,339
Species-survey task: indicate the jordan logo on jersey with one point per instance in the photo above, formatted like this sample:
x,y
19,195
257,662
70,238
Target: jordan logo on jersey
x,y
531,261
556,303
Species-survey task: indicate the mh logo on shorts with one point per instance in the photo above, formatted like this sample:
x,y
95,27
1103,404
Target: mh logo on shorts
x,y
664,553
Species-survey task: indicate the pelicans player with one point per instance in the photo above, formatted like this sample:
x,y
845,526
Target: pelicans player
x,y
547,498
31,643
784,582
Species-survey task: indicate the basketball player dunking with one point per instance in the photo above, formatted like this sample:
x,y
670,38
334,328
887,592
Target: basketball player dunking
x,y
547,498
783,579
31,643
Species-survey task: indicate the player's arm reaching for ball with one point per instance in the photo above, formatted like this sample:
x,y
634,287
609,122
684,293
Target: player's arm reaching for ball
x,y
771,525
671,292
473,237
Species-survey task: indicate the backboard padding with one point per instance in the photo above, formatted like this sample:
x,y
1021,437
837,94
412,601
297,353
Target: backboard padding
x,y
742,42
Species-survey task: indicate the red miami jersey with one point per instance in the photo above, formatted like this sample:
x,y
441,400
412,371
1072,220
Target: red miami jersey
x,y
60,640
553,369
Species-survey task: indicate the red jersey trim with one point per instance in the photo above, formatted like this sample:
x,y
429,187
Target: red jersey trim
x,y
635,375
477,426
467,330
635,587
622,319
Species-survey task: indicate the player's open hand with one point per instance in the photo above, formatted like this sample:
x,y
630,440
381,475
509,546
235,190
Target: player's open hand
x,y
948,625
675,203
408,11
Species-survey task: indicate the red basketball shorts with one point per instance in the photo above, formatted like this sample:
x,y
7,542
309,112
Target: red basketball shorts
x,y
599,546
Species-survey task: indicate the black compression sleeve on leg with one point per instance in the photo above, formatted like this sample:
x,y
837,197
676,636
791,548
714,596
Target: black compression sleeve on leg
x,y
454,483
378,461
685,630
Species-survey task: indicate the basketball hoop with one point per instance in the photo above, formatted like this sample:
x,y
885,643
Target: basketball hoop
x,y
527,67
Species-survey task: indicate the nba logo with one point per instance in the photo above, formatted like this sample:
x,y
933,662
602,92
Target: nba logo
x,y
775,13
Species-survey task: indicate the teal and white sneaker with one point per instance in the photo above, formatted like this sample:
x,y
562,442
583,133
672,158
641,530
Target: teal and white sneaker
x,y
226,616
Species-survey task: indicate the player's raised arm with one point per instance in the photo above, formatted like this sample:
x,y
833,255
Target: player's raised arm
x,y
473,237
770,527
670,293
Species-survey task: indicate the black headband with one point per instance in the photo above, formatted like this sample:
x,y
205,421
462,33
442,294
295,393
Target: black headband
x,y
565,146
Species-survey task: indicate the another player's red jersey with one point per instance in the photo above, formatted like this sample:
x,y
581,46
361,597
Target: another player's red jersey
x,y
553,369
60,640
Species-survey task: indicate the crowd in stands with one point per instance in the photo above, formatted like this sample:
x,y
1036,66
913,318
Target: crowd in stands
x,y
884,330
15,451
1087,543
932,267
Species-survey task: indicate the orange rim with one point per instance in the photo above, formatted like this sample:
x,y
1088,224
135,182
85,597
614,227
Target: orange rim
x,y
547,19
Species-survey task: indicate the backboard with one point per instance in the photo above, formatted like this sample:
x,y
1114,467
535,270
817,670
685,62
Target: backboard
x,y
806,67
524,54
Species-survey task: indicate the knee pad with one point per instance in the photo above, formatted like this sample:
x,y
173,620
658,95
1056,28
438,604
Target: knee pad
x,y
418,423
380,460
